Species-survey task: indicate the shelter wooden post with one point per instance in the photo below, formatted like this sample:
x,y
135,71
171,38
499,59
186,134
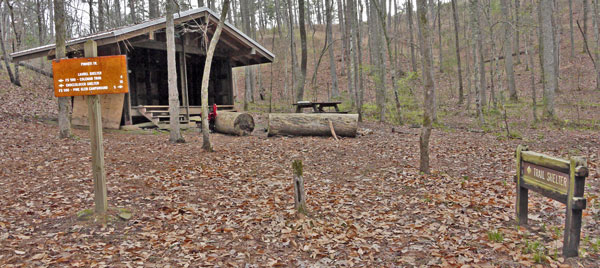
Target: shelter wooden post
x,y
574,215
522,192
95,119
299,195
185,100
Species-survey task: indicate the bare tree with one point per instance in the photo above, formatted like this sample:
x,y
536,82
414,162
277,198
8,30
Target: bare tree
x,y
428,83
571,28
333,70
508,51
479,65
304,55
377,24
547,12
64,103
457,45
596,42
206,145
17,39
175,131
409,8
586,8
100,16
153,10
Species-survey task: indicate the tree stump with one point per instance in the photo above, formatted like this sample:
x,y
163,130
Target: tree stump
x,y
240,124
298,181
316,124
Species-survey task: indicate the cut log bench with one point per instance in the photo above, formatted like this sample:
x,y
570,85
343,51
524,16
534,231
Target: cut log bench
x,y
240,124
313,124
318,107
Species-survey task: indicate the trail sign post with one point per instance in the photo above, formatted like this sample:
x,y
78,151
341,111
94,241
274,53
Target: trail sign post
x,y
91,76
558,179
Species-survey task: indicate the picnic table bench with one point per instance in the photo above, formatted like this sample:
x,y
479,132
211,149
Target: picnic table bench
x,y
318,107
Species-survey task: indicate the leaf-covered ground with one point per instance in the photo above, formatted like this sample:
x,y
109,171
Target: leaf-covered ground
x,y
368,204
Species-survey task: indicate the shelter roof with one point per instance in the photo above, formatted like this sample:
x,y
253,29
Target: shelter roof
x,y
243,49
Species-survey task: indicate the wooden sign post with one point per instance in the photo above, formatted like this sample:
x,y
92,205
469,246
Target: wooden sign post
x,y
557,179
91,76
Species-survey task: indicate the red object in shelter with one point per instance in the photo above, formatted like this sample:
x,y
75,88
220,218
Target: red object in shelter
x,y
213,114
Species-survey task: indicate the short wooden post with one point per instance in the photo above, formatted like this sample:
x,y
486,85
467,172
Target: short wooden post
x,y
522,192
95,120
574,215
299,195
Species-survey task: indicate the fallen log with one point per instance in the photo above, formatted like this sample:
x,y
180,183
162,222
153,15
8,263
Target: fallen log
x,y
315,124
240,124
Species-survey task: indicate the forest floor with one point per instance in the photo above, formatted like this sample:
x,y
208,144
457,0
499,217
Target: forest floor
x,y
368,204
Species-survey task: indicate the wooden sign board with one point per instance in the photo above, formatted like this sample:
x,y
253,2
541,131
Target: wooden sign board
x,y
558,179
90,76
546,178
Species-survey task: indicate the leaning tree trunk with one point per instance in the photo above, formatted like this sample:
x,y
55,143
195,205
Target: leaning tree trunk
x,y
206,145
240,124
316,124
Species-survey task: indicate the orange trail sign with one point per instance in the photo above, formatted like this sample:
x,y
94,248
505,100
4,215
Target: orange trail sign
x,y
90,76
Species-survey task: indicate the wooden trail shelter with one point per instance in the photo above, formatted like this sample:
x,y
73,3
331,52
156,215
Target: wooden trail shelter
x,y
145,46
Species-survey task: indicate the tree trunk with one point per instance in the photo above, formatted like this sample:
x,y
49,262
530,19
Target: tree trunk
x,y
206,145
100,16
132,11
529,54
5,54
375,38
439,21
153,9
332,67
64,103
91,15
392,59
342,30
478,66
413,60
293,57
571,28
596,42
350,62
479,39
358,72
118,13
517,49
304,55
175,132
547,12
313,124
428,84
17,79
240,124
508,52
586,8
457,45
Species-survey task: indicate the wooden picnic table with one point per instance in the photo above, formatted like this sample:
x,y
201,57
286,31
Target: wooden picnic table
x,y
318,107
